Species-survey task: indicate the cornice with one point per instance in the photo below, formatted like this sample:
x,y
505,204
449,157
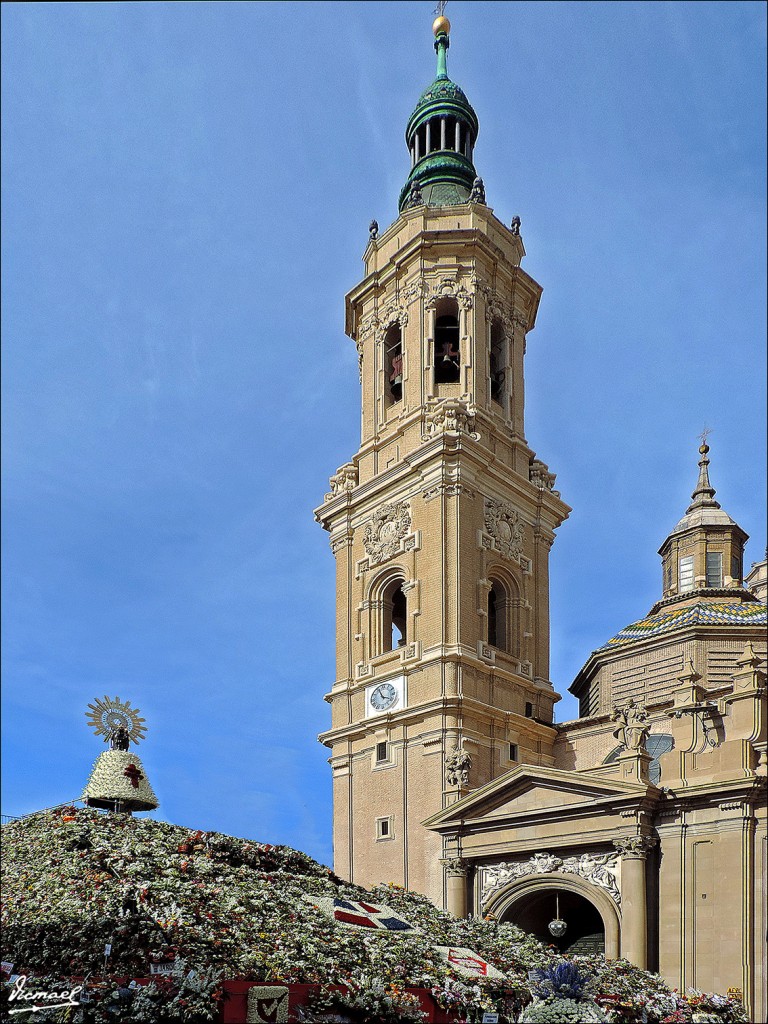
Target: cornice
x,y
467,458
451,704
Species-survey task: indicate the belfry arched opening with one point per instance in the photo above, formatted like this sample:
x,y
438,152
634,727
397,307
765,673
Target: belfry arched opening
x,y
534,911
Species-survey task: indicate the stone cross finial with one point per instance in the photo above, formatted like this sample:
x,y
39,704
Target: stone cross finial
x,y
633,728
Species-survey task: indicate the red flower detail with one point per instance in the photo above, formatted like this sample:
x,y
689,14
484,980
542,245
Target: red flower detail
x,y
133,773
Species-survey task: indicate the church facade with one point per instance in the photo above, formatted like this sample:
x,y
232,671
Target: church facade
x,y
637,830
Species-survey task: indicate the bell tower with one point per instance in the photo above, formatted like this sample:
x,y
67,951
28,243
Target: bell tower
x,y
441,524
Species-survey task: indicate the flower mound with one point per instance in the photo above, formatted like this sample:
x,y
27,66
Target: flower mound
x,y
208,907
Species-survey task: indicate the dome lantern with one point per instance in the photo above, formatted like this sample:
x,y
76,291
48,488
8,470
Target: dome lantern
x,y
441,134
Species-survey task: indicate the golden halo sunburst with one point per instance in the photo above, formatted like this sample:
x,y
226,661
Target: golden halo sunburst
x,y
108,714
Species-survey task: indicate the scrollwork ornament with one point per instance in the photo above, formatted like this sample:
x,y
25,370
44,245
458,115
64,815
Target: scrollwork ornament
x,y
386,530
503,523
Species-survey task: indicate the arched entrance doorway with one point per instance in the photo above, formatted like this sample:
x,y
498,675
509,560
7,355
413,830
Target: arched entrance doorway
x,y
592,916
533,912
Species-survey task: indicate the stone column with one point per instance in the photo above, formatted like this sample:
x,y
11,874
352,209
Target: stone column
x,y
634,898
456,871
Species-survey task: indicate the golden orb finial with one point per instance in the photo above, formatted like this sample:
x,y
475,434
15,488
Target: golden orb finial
x,y
441,25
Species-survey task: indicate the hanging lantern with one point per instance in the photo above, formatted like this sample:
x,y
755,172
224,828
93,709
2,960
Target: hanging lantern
x,y
558,927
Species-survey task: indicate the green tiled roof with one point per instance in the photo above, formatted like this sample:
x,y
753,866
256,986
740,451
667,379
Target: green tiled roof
x,y
706,614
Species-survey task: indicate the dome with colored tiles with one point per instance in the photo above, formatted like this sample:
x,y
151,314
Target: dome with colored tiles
x,y
702,613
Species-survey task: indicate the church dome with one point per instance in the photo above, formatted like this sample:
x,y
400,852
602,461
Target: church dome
x,y
700,614
441,135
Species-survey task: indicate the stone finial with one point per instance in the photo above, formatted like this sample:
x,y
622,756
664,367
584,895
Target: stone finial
x,y
373,230
633,727
750,658
457,767
690,676
515,226
704,493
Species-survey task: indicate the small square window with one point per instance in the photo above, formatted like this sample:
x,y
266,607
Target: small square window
x,y
685,574
714,568
513,752
736,568
384,828
382,752
528,709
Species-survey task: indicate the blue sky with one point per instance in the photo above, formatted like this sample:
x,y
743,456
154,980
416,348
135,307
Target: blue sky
x,y
186,195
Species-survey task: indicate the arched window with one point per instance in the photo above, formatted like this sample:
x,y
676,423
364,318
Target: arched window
x,y
503,614
447,355
498,613
393,365
498,362
399,615
389,626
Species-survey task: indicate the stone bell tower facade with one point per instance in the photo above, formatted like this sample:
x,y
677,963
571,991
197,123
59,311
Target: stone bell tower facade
x,y
442,523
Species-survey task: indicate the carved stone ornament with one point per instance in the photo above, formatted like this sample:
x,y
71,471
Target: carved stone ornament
x,y
635,846
540,476
456,866
597,869
343,480
385,531
496,309
633,726
450,415
449,288
367,324
503,524
391,314
457,768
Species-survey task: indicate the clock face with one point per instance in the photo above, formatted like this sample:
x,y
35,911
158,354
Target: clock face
x,y
383,697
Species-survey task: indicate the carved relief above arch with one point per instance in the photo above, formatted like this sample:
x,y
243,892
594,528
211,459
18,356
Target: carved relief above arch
x,y
392,315
503,529
503,901
448,288
388,533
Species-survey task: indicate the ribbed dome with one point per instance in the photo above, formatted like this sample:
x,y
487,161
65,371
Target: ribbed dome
x,y
442,97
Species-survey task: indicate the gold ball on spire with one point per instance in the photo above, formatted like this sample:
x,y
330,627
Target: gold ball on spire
x,y
440,25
